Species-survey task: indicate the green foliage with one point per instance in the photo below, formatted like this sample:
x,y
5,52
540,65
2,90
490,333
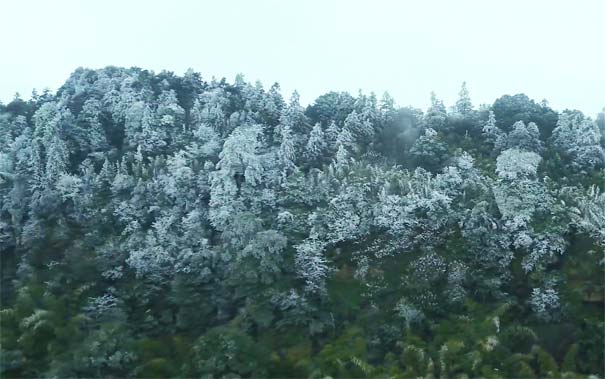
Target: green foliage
x,y
226,351
570,360
345,356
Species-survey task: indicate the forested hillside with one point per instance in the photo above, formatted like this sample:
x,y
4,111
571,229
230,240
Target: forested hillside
x,y
155,225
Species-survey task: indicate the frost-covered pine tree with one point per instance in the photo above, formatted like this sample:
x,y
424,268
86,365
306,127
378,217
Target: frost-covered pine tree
x,y
286,154
151,137
293,116
524,137
332,133
311,265
429,150
89,133
316,145
233,186
386,108
57,160
492,133
360,128
464,106
170,115
436,115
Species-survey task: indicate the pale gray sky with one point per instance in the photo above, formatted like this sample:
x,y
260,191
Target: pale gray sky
x,y
547,49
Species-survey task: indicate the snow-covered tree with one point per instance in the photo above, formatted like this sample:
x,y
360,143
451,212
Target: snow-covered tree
x,y
361,129
312,265
464,106
90,135
332,133
592,206
579,140
429,150
545,302
525,137
316,145
436,115
170,115
492,133
233,190
286,154
293,117
57,159
517,164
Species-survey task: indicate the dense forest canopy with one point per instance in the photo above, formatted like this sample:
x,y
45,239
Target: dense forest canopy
x,y
155,225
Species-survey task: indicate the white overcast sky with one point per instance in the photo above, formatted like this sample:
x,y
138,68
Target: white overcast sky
x,y
552,50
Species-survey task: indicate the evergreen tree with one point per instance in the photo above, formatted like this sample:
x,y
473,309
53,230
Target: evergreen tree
x,y
464,105
316,145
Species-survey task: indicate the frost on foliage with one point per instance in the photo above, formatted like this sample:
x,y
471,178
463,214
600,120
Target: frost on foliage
x,y
89,132
348,214
361,129
486,239
579,140
293,116
57,160
101,305
517,193
284,218
240,154
158,250
492,133
341,162
169,112
345,140
209,109
151,136
517,164
592,207
6,168
142,130
206,142
332,132
266,249
295,308
239,171
525,137
408,312
436,115
416,214
178,178
517,202
428,268
68,186
545,302
456,276
316,145
464,105
311,264
286,154
543,247
429,149
48,122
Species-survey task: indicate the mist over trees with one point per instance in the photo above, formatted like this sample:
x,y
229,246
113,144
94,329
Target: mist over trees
x,y
155,225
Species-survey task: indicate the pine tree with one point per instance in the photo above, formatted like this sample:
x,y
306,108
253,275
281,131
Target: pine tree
x,y
525,137
316,145
436,115
464,106
286,153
